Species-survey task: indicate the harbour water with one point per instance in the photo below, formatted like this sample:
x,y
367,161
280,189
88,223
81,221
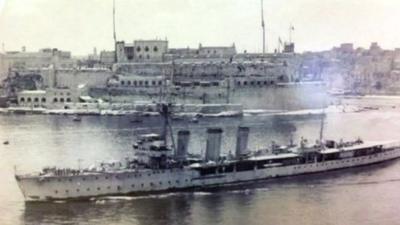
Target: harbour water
x,y
366,195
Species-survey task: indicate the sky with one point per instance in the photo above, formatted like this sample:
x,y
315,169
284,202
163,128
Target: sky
x,y
80,25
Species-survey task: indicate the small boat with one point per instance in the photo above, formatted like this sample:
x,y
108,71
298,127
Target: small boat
x,y
76,118
194,120
136,120
6,142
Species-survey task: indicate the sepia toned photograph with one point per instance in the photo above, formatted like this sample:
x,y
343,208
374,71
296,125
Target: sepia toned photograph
x,y
203,112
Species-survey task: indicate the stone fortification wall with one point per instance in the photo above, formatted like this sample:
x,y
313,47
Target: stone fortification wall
x,y
204,70
73,78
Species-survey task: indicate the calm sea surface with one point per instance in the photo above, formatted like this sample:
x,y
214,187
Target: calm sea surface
x,y
367,195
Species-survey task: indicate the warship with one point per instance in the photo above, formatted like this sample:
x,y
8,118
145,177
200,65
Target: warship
x,y
160,166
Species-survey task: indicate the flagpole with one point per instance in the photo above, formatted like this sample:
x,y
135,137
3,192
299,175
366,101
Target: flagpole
x,y
263,25
114,34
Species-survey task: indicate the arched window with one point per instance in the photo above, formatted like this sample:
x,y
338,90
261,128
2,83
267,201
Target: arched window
x,y
22,99
138,49
146,83
129,82
68,99
36,99
134,83
61,99
147,56
155,49
122,82
153,83
29,99
146,48
43,99
55,100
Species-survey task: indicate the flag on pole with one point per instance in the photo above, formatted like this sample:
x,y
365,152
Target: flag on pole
x,y
291,27
280,40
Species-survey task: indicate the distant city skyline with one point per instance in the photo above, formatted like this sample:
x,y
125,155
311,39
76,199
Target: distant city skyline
x,y
79,26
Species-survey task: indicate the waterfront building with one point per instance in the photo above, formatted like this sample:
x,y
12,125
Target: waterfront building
x,y
134,81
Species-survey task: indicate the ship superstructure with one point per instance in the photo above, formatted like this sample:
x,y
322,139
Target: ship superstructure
x,y
162,167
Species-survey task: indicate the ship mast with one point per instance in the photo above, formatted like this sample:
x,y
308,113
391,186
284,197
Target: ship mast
x,y
321,130
263,26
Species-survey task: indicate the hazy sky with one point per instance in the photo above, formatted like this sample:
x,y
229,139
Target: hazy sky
x,y
80,25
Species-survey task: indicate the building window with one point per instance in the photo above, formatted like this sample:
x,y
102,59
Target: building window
x,y
148,57
138,49
56,191
22,100
159,82
55,100
146,83
155,48
68,99
140,56
43,99
129,82
134,83
61,99
36,99
153,83
77,190
29,100
122,82
146,48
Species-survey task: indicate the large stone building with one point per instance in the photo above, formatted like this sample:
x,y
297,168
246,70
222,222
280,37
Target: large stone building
x,y
144,51
43,58
141,51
